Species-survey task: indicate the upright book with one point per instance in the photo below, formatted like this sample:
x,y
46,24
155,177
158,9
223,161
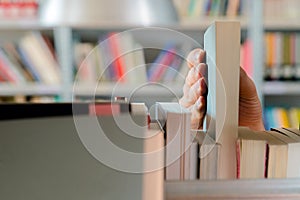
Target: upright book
x,y
181,151
222,46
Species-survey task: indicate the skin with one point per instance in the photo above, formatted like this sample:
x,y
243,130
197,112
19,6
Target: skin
x,y
195,93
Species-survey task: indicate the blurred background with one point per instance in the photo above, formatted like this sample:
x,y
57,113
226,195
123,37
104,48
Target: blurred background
x,y
63,50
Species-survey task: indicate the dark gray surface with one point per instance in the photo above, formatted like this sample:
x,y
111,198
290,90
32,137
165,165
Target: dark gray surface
x,y
45,159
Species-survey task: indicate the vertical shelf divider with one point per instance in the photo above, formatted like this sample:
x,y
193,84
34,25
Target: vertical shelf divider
x,y
63,42
256,31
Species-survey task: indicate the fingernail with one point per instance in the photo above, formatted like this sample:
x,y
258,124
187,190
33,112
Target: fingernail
x,y
198,69
203,69
197,57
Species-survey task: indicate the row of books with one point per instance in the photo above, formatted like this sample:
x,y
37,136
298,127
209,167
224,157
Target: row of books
x,y
281,117
201,8
118,57
282,52
268,154
281,9
275,152
181,150
31,59
19,9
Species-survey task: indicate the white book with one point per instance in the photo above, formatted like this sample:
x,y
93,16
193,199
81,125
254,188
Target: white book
x,y
179,141
222,46
139,68
40,56
133,56
85,60
153,179
293,149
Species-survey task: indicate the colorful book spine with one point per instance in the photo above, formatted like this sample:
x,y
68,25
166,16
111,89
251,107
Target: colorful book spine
x,y
161,63
15,73
282,56
212,8
117,62
281,117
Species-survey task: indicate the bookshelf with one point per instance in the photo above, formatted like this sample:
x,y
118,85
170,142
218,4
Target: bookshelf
x,y
63,35
280,20
287,88
194,27
63,39
30,89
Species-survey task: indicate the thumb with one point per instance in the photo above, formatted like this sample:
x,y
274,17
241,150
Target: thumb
x,y
247,86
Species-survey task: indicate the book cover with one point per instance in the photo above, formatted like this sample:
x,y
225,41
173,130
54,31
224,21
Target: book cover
x,y
223,95
179,141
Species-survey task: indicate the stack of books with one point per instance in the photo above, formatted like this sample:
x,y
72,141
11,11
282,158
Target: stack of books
x,y
268,154
119,57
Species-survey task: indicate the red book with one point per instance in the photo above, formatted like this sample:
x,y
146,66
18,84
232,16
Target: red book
x,y
104,109
6,73
160,65
118,62
246,55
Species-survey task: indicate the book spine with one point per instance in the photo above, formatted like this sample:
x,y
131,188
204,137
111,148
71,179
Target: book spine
x,y
118,62
161,63
19,77
28,64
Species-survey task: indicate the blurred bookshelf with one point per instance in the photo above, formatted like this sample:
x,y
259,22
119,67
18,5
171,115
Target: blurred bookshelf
x,y
281,88
30,89
281,58
64,33
63,36
193,19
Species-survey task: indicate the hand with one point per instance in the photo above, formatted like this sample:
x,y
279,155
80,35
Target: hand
x,y
195,95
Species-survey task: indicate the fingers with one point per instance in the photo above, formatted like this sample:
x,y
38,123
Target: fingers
x,y
195,88
195,74
195,57
198,112
192,93
250,111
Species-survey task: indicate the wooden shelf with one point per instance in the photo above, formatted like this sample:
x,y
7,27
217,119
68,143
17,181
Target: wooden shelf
x,y
204,22
29,89
26,24
281,88
282,24
234,189
183,25
127,90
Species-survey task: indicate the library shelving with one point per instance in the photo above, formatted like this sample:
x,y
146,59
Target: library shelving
x,y
282,30
233,189
281,88
29,89
63,36
63,39
194,27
